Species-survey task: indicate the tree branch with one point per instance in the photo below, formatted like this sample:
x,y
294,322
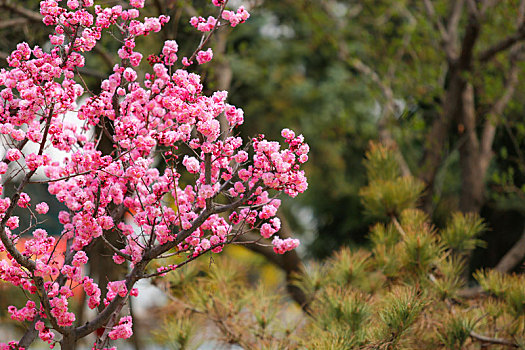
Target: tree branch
x,y
12,22
436,21
490,340
452,27
489,129
509,41
502,45
513,256
32,15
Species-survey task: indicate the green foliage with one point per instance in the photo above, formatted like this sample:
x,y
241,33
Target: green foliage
x,y
402,293
449,282
509,288
347,267
177,333
401,308
381,163
386,198
461,231
387,193
456,331
342,312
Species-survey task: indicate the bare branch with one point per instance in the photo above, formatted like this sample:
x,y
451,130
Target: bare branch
x,y
32,15
12,22
473,8
504,44
91,73
108,60
487,5
490,340
489,129
114,249
436,20
452,25
513,256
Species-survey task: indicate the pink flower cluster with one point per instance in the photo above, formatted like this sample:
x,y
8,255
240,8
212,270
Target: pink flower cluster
x,y
123,329
281,246
233,17
26,313
202,24
204,56
44,333
236,17
181,208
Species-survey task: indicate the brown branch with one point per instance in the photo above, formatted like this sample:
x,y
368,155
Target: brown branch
x,y
436,20
115,250
398,226
206,37
7,242
91,73
452,26
102,318
452,109
513,256
23,11
473,8
12,22
489,129
501,46
490,340
509,41
486,5
471,293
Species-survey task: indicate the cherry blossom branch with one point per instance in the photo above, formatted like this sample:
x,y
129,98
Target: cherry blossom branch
x,y
206,38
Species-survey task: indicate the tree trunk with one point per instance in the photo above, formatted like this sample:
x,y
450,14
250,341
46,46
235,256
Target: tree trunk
x,y
438,136
472,170
68,342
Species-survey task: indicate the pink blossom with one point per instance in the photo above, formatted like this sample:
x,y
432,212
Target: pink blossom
x,y
72,4
123,330
169,111
170,51
12,222
137,3
204,56
13,154
130,74
80,258
191,164
185,62
24,200
281,246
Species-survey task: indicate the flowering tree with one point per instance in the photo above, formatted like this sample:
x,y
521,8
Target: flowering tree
x,y
220,188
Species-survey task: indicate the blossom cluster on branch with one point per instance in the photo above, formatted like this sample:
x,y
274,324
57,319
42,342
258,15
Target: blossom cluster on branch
x,y
220,187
